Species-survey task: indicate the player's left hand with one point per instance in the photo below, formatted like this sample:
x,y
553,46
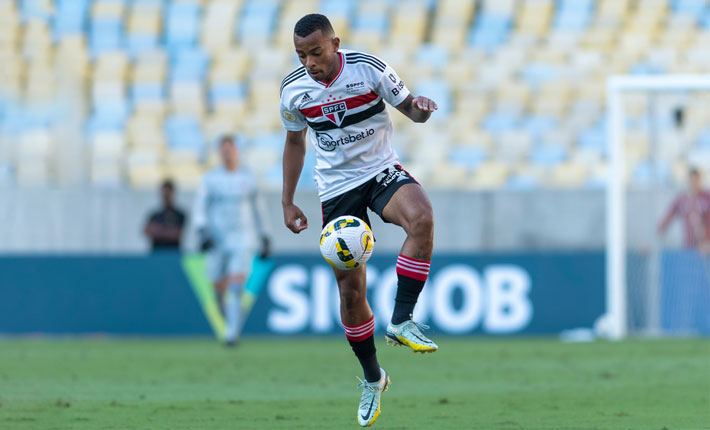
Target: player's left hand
x,y
424,103
265,250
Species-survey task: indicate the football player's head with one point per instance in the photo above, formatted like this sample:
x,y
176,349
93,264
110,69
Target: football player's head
x,y
316,46
696,180
229,152
167,190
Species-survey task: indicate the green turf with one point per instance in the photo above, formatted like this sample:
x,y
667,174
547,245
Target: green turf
x,y
310,383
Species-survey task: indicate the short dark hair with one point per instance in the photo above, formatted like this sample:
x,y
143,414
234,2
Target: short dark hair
x,y
694,171
227,139
168,183
313,22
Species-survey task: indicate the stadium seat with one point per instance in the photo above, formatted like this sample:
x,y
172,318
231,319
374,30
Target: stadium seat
x,y
182,24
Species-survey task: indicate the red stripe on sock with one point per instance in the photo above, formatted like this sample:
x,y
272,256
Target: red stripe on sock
x,y
360,332
413,268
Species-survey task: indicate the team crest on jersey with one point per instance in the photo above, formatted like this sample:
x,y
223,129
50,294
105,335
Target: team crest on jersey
x,y
335,112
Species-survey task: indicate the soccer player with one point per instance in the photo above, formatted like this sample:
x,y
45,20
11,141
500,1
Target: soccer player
x,y
220,216
340,95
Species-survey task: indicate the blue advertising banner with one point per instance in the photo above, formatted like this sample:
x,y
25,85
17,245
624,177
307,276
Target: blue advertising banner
x,y
496,294
502,294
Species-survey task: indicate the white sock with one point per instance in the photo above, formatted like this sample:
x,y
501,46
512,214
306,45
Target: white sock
x,y
232,315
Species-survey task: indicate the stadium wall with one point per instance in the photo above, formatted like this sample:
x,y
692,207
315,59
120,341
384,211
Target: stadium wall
x,y
111,221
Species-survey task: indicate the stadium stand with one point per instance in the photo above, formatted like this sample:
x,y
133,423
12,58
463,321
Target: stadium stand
x,y
153,83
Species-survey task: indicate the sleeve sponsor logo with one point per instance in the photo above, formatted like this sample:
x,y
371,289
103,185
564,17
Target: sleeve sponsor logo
x,y
288,115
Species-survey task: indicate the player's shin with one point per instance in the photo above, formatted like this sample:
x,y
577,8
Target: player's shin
x,y
411,277
232,314
362,340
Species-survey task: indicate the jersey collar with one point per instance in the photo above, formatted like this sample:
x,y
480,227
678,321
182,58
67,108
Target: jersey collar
x,y
342,66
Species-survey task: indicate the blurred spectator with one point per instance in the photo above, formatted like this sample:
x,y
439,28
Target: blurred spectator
x,y
164,227
693,207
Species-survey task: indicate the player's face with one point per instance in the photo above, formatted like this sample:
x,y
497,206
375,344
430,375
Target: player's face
x,y
318,52
230,156
696,183
167,193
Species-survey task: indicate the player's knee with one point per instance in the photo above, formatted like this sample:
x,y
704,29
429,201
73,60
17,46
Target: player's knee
x,y
422,224
351,298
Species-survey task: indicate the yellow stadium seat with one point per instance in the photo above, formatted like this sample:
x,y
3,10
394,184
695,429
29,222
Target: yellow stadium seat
x,y
187,176
188,98
107,146
146,177
144,18
490,174
149,67
111,66
37,43
107,9
447,176
35,144
457,9
534,17
512,145
218,25
569,175
33,174
230,66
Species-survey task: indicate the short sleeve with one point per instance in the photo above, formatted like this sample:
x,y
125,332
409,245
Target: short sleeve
x,y
390,87
291,118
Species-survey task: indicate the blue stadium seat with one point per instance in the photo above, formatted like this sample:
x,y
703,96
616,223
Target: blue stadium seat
x,y
439,91
258,19
377,23
433,55
489,31
337,8
189,64
69,18
105,36
140,43
535,74
704,139
594,138
467,157
646,174
538,125
521,182
110,116
689,7
548,155
184,132
496,122
147,91
182,24
34,9
573,15
227,91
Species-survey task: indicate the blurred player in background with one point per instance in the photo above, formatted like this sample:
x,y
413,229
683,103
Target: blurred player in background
x,y
340,95
227,207
693,208
164,226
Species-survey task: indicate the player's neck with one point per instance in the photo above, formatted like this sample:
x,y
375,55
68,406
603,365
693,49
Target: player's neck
x,y
334,71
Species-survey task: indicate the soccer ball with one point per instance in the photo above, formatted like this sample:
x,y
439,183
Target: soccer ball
x,y
346,242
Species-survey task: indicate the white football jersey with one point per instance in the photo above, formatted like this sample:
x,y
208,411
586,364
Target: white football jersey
x,y
349,124
228,204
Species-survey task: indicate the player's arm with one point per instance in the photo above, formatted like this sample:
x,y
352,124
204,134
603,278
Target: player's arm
x,y
672,212
418,109
294,154
199,217
260,215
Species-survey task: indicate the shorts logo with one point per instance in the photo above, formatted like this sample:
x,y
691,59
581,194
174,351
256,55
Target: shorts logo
x,y
335,112
392,174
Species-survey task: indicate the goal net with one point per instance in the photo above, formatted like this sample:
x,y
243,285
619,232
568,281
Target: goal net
x,y
658,261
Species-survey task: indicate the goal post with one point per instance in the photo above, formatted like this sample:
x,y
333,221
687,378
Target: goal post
x,y
616,322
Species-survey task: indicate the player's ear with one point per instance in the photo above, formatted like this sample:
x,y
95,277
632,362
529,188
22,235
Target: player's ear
x,y
336,44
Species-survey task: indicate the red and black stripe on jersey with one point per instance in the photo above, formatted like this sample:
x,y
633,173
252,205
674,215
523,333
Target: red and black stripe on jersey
x,y
359,57
316,112
292,77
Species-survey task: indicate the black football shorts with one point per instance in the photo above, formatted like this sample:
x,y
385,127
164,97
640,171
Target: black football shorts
x,y
373,194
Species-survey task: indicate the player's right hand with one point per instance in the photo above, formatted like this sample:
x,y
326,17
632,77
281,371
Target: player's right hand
x,y
206,242
294,218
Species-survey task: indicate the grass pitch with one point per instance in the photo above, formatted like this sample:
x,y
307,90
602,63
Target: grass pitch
x,y
309,383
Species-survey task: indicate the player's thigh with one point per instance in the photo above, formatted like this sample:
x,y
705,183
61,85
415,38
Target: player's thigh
x,y
237,265
408,205
215,266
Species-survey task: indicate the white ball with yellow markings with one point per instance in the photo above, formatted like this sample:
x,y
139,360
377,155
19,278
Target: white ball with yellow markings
x,y
346,242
